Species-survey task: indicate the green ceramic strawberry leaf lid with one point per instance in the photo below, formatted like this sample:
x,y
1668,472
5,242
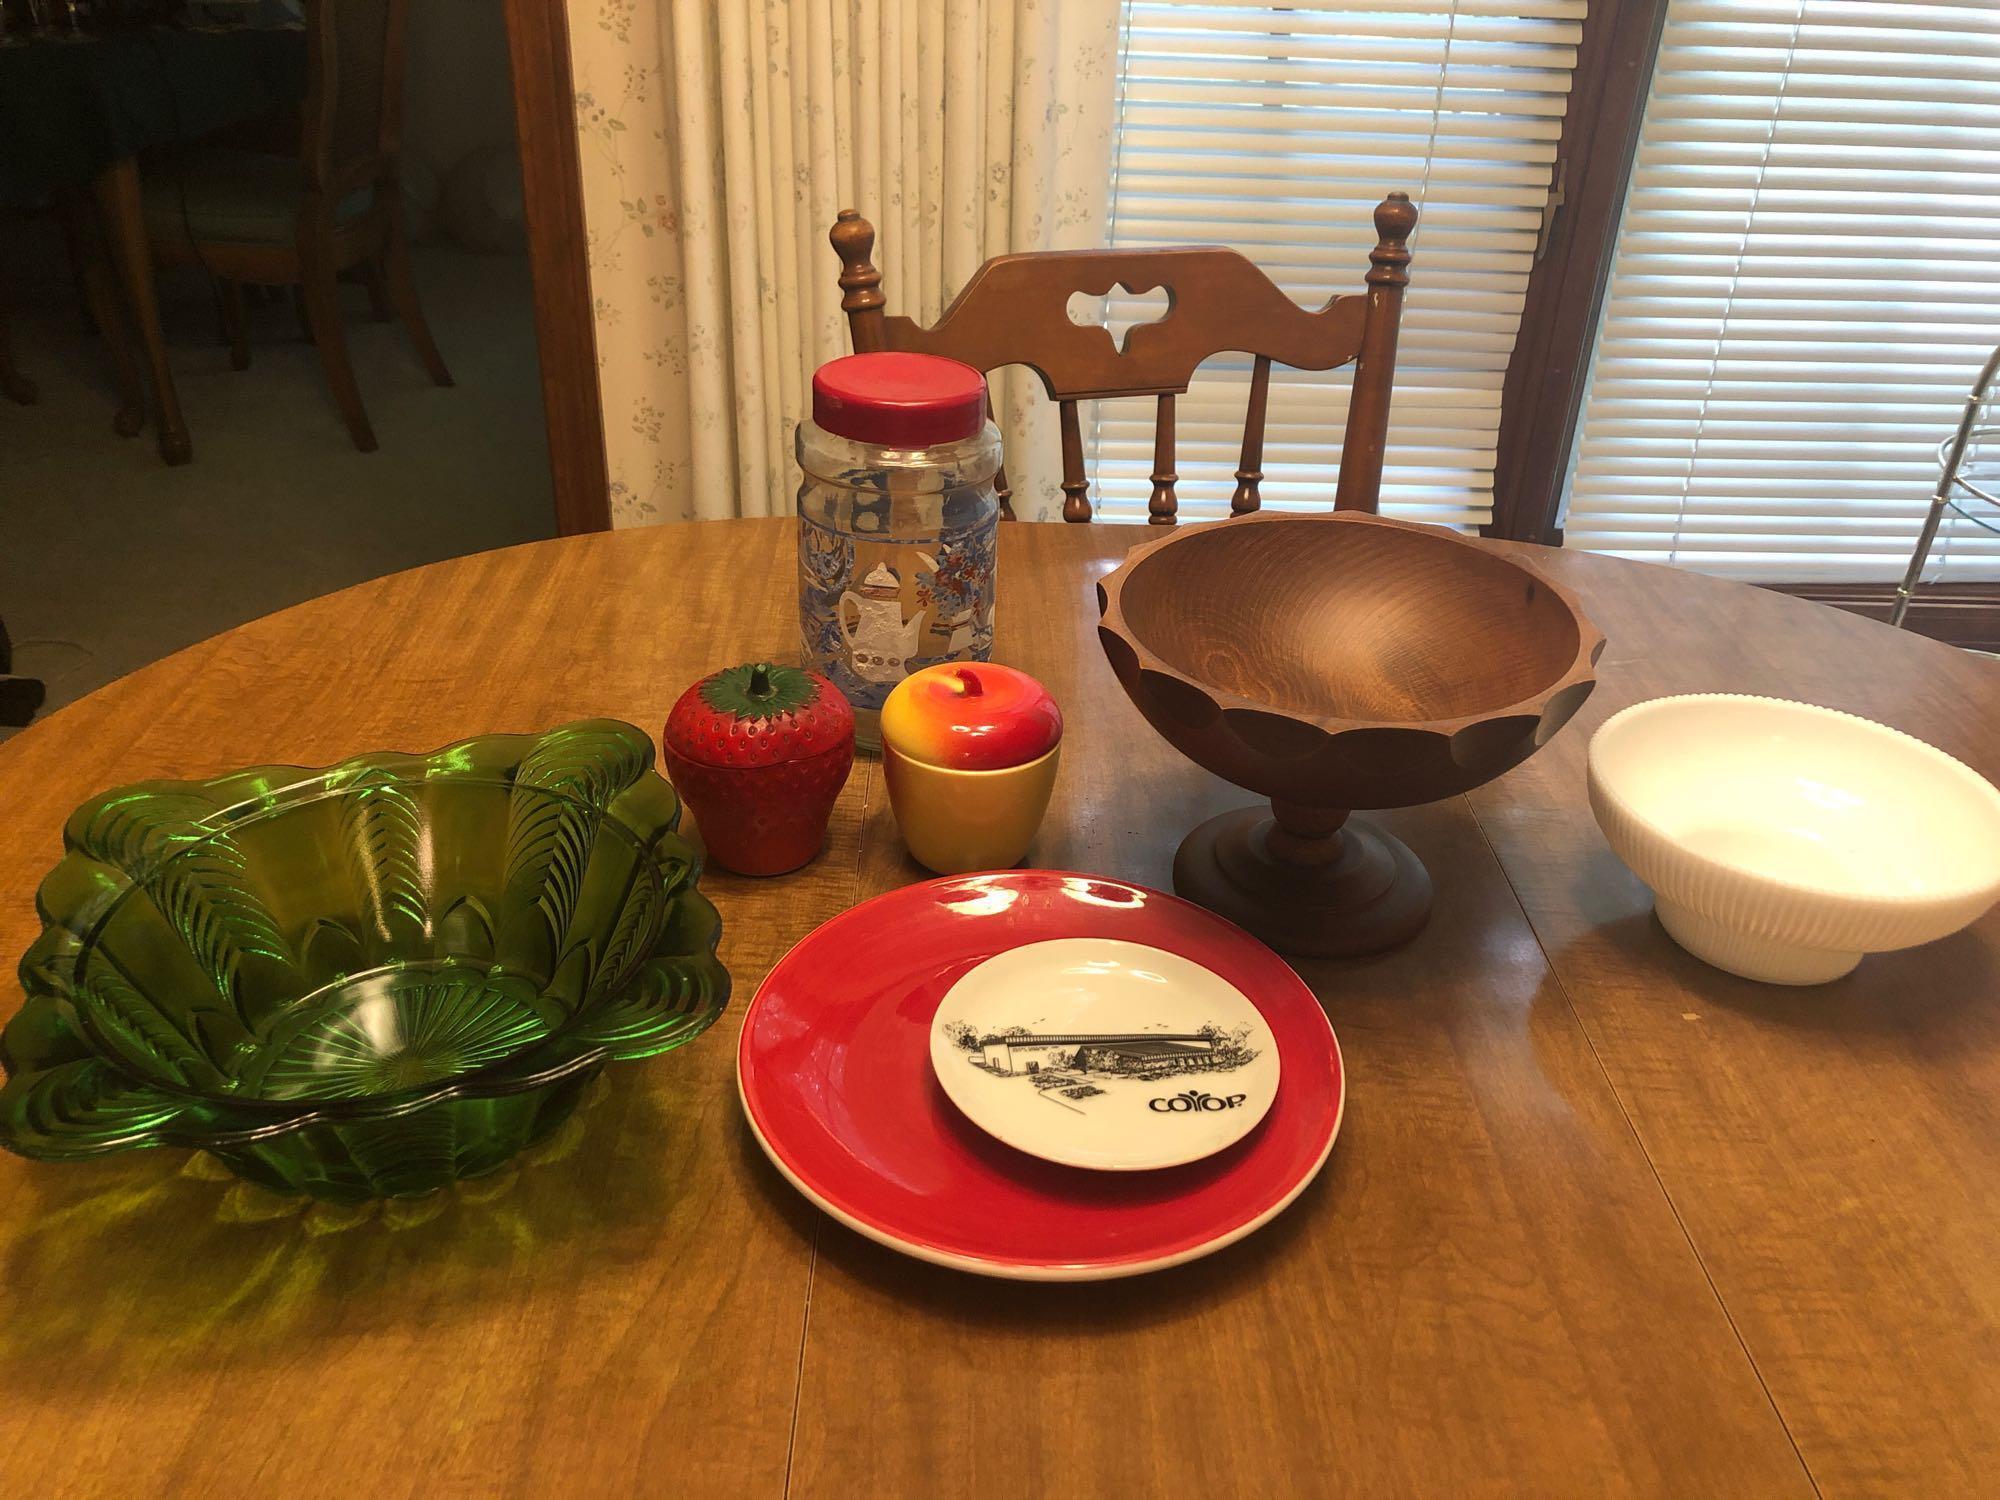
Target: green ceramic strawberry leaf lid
x,y
759,690
759,714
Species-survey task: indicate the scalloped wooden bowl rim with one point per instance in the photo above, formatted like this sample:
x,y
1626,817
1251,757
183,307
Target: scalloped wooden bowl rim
x,y
1111,619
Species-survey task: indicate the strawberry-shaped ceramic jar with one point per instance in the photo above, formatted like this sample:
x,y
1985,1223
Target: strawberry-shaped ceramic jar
x,y
759,753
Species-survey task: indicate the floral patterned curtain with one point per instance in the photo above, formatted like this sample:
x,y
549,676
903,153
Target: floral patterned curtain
x,y
718,143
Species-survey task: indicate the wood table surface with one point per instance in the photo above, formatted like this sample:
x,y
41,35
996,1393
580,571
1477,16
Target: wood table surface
x,y
1601,1220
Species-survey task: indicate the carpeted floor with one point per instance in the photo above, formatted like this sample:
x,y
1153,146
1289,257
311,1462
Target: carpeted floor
x,y
109,559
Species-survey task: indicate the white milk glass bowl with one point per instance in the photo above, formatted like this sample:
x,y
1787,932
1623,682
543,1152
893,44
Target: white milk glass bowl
x,y
1783,841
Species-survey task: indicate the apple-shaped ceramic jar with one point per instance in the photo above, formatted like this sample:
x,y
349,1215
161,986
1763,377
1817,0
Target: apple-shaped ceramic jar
x,y
969,752
759,753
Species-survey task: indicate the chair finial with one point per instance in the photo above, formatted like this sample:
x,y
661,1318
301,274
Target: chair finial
x,y
1360,484
1395,220
853,240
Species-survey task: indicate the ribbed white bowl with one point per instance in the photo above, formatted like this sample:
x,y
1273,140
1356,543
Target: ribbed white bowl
x,y
1783,841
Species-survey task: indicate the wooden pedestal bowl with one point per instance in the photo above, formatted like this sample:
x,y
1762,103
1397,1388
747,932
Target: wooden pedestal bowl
x,y
1330,662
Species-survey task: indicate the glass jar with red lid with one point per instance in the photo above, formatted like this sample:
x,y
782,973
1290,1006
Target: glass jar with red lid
x,y
898,523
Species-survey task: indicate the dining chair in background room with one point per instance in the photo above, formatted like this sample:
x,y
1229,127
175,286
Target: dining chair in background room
x,y
1015,311
264,219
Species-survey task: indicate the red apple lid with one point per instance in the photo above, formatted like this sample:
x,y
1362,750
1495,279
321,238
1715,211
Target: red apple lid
x,y
759,714
1001,717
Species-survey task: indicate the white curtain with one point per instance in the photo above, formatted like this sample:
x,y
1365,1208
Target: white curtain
x,y
719,141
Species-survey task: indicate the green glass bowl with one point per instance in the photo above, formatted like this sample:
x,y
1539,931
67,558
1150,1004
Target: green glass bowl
x,y
362,981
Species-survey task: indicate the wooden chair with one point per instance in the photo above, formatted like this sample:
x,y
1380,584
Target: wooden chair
x,y
274,221
1015,311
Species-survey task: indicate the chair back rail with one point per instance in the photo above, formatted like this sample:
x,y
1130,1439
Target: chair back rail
x,y
1015,311
354,96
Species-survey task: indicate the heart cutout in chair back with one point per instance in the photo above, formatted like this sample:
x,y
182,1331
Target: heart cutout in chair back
x,y
1120,311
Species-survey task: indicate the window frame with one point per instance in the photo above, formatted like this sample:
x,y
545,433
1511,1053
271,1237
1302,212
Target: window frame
x,y
1548,374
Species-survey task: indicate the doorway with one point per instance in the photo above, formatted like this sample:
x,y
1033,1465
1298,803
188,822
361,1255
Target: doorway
x,y
111,558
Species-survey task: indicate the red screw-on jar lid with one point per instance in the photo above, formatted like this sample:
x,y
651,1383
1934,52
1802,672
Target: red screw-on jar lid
x,y
899,400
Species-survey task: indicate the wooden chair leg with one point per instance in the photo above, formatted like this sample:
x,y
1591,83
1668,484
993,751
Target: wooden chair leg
x,y
320,296
235,325
100,297
403,292
377,281
89,259
117,189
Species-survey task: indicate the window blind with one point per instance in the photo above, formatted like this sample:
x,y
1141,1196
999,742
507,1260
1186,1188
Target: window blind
x,y
1276,129
1807,280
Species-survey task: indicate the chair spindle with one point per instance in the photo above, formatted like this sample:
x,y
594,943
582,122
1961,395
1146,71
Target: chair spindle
x,y
1075,488
1160,509
1250,469
1000,485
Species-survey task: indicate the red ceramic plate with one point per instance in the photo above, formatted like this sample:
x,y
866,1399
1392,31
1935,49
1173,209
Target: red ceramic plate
x,y
835,1074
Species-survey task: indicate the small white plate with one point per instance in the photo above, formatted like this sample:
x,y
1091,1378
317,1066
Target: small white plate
x,y
1098,1053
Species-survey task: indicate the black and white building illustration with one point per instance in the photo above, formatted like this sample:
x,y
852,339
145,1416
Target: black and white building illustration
x,y
1017,1052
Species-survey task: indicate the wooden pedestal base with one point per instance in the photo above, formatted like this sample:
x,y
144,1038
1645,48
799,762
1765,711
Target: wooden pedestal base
x,y
1322,885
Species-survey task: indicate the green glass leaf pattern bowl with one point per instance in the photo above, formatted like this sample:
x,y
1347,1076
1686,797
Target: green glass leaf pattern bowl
x,y
366,980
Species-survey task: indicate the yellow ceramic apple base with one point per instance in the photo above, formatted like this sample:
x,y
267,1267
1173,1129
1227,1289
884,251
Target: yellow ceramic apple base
x,y
957,821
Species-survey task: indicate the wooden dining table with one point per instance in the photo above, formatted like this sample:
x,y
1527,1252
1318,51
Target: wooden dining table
x,y
1600,1219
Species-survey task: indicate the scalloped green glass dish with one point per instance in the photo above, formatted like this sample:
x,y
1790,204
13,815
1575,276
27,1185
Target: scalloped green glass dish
x,y
361,981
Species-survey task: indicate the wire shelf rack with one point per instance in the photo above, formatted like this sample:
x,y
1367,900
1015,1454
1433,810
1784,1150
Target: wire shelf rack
x,y
1968,468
